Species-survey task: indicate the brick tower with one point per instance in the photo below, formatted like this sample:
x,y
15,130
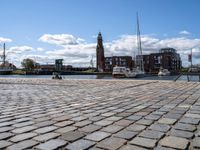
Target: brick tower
x,y
100,54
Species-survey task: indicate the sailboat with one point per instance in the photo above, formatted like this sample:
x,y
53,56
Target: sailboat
x,y
138,71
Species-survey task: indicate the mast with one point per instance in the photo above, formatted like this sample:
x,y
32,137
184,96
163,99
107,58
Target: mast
x,y
139,45
4,54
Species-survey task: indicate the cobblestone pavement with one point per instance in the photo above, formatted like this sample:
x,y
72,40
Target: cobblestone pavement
x,y
99,114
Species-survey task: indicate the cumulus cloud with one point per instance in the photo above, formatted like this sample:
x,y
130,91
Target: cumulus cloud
x,y
5,40
80,52
20,49
184,32
77,52
60,39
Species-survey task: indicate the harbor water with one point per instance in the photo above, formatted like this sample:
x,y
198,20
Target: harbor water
x,y
182,78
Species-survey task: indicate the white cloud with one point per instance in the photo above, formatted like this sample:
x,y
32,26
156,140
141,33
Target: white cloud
x,y
60,39
20,49
184,32
40,49
77,52
5,40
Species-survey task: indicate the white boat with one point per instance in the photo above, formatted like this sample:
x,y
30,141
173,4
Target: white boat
x,y
123,72
138,72
163,72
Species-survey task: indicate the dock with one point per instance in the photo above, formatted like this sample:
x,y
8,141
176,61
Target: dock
x,y
99,114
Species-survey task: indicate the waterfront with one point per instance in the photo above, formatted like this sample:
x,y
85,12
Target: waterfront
x,y
98,114
109,77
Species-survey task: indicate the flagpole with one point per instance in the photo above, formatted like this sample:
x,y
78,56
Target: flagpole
x,y
191,58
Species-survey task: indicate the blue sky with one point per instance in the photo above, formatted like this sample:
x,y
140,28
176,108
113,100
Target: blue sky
x,y
50,29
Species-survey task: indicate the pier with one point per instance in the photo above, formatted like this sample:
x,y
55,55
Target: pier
x,y
99,114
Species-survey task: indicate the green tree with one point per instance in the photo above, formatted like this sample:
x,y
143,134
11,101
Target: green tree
x,y
28,64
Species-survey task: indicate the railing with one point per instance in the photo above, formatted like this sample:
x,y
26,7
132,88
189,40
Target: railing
x,y
188,74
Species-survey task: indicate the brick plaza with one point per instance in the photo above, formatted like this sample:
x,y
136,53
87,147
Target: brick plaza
x,y
99,114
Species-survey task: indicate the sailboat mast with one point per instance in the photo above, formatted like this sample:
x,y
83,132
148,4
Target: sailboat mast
x,y
139,45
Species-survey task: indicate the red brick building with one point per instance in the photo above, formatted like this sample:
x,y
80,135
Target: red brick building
x,y
123,61
167,58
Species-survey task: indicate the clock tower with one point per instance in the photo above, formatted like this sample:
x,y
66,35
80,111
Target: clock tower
x,y
100,59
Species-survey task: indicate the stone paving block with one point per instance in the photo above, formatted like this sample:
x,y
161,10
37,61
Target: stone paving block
x,y
132,147
80,145
152,117
187,120
42,119
173,115
180,133
24,129
198,133
125,134
134,117
151,134
142,113
44,123
123,114
80,118
113,118
72,136
21,137
124,122
52,144
144,122
45,129
136,127
4,144
5,135
196,142
103,123
5,129
190,115
174,142
22,124
82,123
108,114
163,148
95,148
97,118
160,127
167,121
144,142
111,143
90,128
185,127
3,124
23,145
66,129
64,123
46,137
97,136
62,118
112,128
